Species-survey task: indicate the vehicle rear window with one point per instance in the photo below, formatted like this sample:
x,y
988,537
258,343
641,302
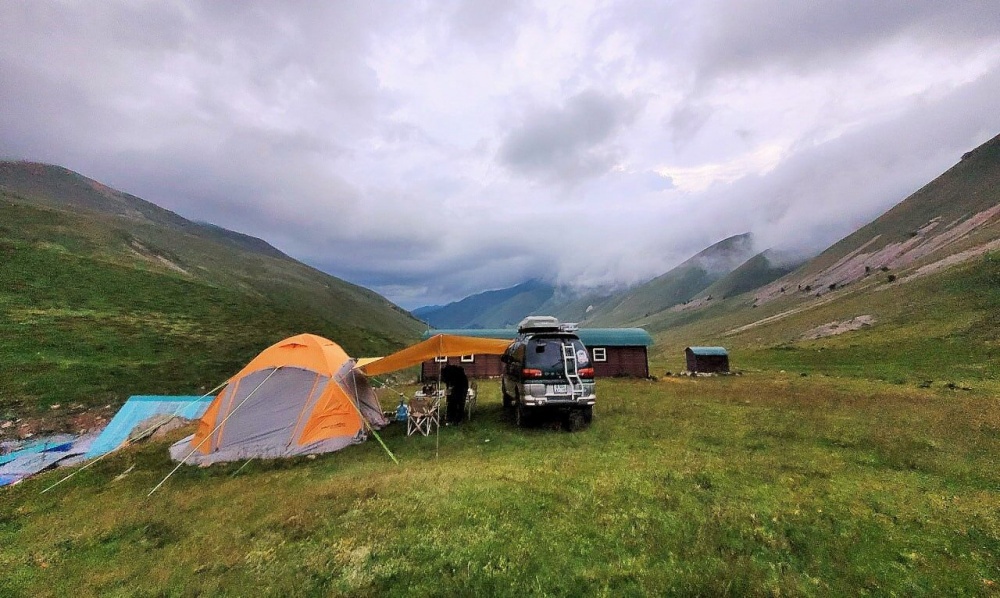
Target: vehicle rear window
x,y
546,353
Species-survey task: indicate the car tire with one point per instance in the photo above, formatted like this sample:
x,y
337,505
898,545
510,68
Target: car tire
x,y
508,401
575,420
521,418
588,414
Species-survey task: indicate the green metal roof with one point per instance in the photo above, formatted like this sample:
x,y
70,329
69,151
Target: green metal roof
x,y
591,337
708,350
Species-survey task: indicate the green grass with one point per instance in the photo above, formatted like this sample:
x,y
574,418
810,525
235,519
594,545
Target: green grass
x,y
82,324
740,486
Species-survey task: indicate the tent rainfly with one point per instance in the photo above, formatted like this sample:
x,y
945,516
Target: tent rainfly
x,y
300,396
440,345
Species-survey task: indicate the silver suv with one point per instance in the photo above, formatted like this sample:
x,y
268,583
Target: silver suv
x,y
548,370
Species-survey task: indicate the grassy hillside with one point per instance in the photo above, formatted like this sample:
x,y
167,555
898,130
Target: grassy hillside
x,y
752,274
912,297
941,328
95,307
130,231
956,212
967,188
676,286
741,486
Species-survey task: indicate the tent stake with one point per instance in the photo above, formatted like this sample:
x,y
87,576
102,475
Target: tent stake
x,y
128,442
209,435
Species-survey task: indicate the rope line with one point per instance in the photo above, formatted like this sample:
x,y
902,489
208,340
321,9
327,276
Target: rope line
x,y
129,442
209,435
367,423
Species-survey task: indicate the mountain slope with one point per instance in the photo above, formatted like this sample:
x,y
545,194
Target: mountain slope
x,y
956,212
676,286
505,307
756,272
500,308
912,297
103,295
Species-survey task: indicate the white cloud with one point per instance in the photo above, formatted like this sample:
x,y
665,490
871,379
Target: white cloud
x,y
699,178
430,151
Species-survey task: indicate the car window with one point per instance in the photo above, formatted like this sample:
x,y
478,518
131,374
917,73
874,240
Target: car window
x,y
519,353
546,353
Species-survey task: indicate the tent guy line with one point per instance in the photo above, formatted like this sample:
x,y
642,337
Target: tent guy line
x,y
368,423
127,442
209,435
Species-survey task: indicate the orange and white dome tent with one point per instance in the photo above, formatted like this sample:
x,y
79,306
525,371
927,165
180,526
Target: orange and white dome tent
x,y
299,396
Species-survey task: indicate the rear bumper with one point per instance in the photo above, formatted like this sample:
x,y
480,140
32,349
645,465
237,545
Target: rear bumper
x,y
560,402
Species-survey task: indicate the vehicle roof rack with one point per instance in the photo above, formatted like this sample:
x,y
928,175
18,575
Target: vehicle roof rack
x,y
537,324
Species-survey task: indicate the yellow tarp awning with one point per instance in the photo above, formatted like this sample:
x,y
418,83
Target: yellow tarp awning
x,y
441,345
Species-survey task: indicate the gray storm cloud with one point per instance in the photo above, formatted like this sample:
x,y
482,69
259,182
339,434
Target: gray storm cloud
x,y
570,142
430,151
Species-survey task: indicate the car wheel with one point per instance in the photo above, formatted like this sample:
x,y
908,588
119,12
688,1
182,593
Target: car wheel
x,y
508,401
575,420
520,416
588,414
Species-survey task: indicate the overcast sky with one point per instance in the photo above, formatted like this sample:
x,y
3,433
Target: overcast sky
x,y
436,149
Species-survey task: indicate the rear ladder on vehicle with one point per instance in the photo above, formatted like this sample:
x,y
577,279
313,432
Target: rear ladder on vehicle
x,y
571,367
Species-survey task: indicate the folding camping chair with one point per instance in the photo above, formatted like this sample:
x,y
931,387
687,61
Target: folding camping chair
x,y
424,414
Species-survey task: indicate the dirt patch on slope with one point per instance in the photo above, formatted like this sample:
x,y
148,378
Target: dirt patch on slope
x,y
146,253
837,327
929,238
953,259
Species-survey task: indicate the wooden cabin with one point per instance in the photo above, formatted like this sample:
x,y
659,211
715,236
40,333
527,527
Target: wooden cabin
x,y
614,352
707,359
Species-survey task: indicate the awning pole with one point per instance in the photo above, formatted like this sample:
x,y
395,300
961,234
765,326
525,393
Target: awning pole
x,y
437,435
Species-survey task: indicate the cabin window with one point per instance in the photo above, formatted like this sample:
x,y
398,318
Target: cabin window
x,y
468,358
599,354
440,360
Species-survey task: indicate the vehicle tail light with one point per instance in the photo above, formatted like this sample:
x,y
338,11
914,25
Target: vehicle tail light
x,y
531,373
586,372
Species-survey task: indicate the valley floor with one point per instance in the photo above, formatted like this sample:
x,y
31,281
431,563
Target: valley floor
x,y
751,485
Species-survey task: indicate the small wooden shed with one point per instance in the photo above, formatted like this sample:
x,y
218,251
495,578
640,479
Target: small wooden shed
x,y
707,359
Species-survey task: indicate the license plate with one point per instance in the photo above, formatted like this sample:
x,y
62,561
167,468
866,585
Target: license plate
x,y
560,389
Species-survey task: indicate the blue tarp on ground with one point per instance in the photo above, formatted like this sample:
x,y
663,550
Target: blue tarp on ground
x,y
58,443
28,465
139,408
45,453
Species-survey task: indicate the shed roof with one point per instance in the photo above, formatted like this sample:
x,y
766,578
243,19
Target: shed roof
x,y
708,350
592,337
